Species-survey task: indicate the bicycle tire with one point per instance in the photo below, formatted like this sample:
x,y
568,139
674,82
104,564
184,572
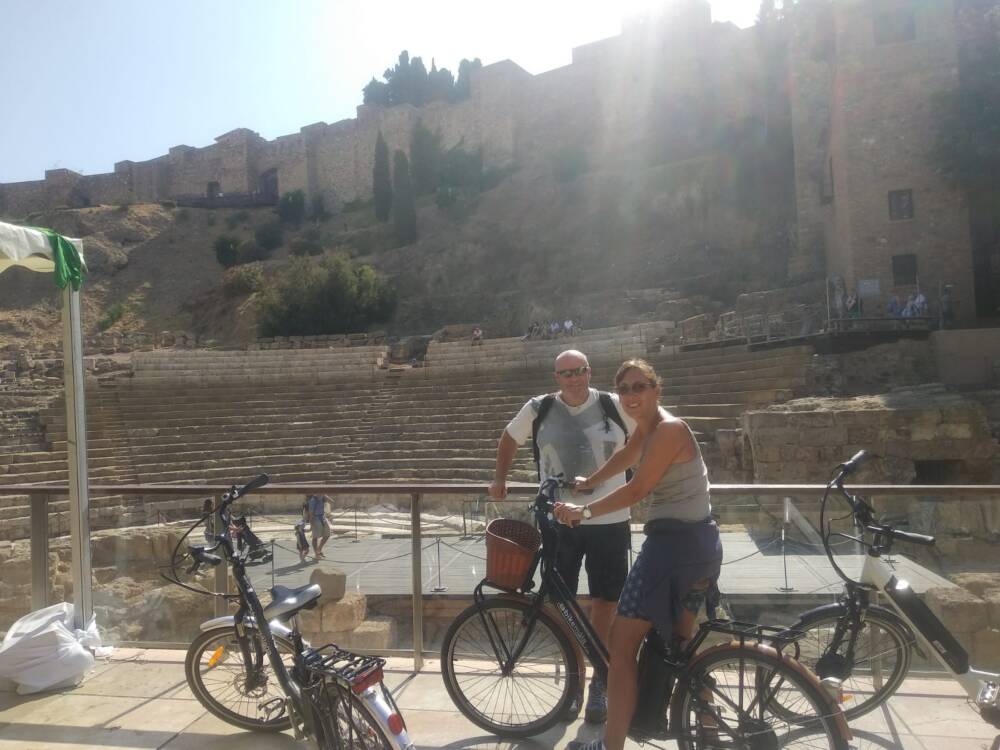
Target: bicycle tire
x,y
358,729
220,693
467,661
815,625
751,672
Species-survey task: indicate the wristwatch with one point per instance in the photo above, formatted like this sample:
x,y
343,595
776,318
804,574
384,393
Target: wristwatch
x,y
586,513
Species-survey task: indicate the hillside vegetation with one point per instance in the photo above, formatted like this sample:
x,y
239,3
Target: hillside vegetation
x,y
545,242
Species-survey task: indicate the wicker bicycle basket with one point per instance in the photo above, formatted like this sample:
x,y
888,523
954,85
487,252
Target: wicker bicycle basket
x,y
510,550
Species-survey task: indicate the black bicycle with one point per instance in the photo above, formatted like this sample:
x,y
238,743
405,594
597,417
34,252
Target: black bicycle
x,y
512,663
332,696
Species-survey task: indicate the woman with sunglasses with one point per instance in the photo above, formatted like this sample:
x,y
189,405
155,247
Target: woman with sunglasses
x,y
678,567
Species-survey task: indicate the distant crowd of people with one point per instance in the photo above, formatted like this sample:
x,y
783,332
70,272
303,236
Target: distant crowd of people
x,y
916,306
851,305
552,329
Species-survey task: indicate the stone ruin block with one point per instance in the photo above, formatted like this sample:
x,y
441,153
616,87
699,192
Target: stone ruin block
x,y
346,614
961,611
332,581
376,634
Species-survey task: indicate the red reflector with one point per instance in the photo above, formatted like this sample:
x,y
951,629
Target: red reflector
x,y
366,681
396,724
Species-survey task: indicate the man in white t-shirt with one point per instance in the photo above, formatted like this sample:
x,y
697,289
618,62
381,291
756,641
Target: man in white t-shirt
x,y
579,430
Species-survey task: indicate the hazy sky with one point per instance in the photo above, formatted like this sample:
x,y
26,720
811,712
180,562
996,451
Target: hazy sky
x,y
86,84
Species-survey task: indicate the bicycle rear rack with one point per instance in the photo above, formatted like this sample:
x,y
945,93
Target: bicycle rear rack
x,y
768,635
350,669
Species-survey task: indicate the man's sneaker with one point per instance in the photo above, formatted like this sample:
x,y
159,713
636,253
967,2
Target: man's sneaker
x,y
597,703
575,706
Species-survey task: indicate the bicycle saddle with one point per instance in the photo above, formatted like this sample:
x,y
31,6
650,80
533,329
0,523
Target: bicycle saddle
x,y
285,602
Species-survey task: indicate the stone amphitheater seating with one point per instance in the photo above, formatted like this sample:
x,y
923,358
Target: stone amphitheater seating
x,y
617,343
221,366
182,424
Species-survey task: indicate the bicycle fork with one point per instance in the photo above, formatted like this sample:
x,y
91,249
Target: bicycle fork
x,y
507,658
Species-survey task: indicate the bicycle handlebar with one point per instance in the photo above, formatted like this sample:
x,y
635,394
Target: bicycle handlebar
x,y
864,516
903,536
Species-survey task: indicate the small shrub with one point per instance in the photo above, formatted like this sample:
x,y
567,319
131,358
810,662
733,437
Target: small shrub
x,y
251,251
227,250
234,220
458,203
292,207
244,279
358,204
168,204
182,215
124,205
319,212
301,246
269,236
112,316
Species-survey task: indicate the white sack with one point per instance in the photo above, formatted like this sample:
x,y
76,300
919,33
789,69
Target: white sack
x,y
41,651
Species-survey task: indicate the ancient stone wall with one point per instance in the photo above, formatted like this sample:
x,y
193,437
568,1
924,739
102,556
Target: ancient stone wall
x,y
877,369
865,128
925,435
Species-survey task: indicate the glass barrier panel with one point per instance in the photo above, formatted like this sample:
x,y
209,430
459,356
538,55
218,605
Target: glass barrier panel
x,y
132,542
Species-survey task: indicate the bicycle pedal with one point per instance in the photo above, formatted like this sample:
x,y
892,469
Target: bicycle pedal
x,y
273,709
988,702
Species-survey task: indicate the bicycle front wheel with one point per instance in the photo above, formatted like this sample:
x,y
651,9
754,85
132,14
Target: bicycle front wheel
x,y
883,650
728,699
229,688
529,697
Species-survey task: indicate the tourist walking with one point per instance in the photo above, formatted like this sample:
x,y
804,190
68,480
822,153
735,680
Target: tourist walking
x,y
319,525
677,570
573,431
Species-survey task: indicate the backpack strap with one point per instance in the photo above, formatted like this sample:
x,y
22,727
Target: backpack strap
x,y
543,408
611,412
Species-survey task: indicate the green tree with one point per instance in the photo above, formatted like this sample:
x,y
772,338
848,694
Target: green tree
x,y
376,92
462,168
439,83
463,86
381,180
227,250
425,155
325,295
292,207
409,82
319,212
404,209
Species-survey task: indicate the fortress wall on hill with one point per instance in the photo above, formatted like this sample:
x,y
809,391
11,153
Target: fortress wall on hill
x,y
595,101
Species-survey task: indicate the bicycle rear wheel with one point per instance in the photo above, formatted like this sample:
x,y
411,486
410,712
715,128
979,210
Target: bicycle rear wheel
x,y
527,699
222,683
727,699
882,654
343,722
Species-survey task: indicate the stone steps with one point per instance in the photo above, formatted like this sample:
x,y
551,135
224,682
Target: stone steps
x,y
417,426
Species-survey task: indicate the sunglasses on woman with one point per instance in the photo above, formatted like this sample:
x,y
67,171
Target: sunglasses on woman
x,y
623,389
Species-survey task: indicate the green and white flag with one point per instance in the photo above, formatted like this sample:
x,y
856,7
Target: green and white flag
x,y
42,250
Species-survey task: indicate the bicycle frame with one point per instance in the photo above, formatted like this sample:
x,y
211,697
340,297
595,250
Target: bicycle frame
x,y
932,634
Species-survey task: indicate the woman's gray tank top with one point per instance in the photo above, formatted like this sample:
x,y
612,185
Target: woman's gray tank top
x,y
682,493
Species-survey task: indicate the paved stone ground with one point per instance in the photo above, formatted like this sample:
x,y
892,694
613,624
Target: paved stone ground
x,y
139,699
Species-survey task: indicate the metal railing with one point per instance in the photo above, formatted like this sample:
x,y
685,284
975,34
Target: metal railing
x,y
40,496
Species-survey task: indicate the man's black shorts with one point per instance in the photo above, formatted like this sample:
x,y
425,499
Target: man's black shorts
x,y
605,548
